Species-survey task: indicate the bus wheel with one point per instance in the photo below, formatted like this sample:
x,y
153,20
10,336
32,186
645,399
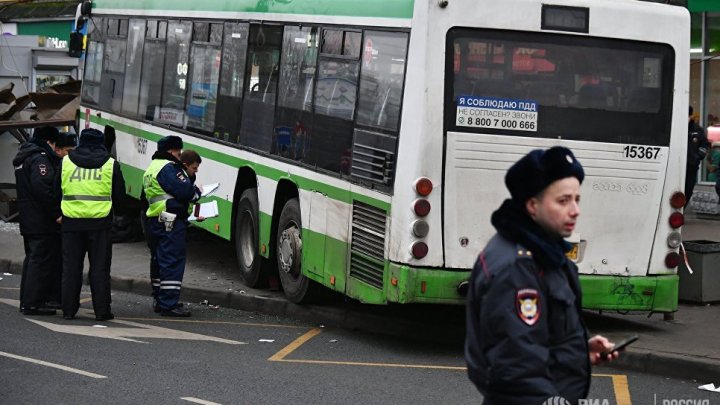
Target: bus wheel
x,y
298,288
246,240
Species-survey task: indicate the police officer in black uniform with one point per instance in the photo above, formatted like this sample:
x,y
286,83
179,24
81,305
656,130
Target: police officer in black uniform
x,y
526,341
35,166
92,188
697,149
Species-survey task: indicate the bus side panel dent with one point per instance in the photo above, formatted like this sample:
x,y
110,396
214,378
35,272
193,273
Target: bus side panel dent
x,y
654,293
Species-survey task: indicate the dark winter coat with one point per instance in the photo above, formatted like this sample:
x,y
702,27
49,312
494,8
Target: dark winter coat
x,y
698,146
526,341
38,202
92,156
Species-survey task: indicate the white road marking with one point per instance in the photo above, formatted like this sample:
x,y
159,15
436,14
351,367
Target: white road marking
x,y
53,365
199,401
137,330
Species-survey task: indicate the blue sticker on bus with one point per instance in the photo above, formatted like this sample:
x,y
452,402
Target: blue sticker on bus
x,y
496,113
497,103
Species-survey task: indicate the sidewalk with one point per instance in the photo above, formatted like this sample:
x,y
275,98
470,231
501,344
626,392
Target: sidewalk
x,y
688,347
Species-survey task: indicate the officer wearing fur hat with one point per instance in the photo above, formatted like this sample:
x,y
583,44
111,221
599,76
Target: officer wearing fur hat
x,y
39,205
526,341
66,142
92,187
169,192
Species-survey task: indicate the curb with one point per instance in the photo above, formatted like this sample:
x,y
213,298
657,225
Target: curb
x,y
663,364
668,365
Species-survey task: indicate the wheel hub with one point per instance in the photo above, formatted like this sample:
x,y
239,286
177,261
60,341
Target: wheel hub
x,y
289,250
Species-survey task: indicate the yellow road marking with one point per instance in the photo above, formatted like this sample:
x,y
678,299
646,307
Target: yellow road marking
x,y
356,363
269,325
53,365
620,385
279,356
84,300
295,344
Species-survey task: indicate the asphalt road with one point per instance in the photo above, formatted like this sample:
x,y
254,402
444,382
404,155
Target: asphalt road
x,y
234,357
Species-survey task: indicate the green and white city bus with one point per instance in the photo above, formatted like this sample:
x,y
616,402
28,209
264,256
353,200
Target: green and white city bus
x,y
362,145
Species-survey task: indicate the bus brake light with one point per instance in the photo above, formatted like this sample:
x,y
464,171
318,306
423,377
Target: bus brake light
x,y
672,260
419,250
678,200
421,207
423,186
677,220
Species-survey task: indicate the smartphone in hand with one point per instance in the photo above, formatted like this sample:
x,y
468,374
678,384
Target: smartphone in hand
x,y
619,346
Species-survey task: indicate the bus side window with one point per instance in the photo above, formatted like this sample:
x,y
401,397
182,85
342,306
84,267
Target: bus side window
x,y
335,99
293,120
172,110
381,85
261,77
136,38
228,114
112,81
203,77
93,61
152,70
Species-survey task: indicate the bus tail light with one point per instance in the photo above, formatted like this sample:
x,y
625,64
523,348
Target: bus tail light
x,y
677,220
420,228
674,239
421,207
423,186
678,200
672,260
419,250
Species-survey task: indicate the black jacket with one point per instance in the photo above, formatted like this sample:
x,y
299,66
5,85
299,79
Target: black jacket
x,y
35,167
526,341
93,157
698,146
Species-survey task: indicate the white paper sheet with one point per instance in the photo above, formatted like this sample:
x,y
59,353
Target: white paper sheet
x,y
208,210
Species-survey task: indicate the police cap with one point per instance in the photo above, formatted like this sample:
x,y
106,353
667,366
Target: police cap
x,y
538,169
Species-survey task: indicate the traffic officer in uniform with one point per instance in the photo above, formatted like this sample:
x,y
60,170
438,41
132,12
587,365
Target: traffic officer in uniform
x,y
92,186
526,341
169,192
66,142
39,205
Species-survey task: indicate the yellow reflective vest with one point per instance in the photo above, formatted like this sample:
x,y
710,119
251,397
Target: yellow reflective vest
x,y
156,196
86,193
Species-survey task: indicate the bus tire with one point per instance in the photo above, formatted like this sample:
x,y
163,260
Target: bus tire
x,y
297,287
246,240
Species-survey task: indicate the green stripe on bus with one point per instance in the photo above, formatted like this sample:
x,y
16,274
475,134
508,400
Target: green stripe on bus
x,y
366,8
303,183
643,293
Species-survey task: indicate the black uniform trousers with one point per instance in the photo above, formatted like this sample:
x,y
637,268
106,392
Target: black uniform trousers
x,y
42,270
98,246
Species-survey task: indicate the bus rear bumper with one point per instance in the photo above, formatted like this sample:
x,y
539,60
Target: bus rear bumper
x,y
642,293
406,284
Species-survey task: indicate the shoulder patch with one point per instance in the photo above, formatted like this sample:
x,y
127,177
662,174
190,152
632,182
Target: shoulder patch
x,y
181,177
527,302
43,169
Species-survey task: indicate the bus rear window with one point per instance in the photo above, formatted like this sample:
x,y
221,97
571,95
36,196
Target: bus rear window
x,y
559,86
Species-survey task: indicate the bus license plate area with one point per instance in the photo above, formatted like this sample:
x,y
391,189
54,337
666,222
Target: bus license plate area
x,y
573,253
578,251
